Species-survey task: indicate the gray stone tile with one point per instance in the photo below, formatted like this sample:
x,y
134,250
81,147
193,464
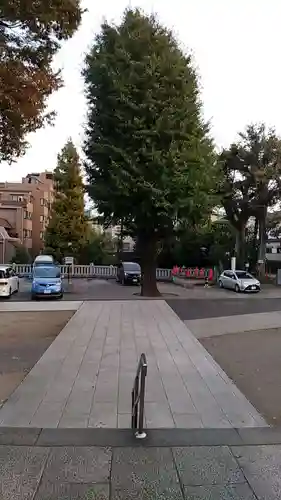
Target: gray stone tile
x,y
158,415
215,420
144,471
18,436
124,403
103,415
260,435
12,419
180,402
48,415
78,465
219,492
154,391
76,421
187,421
198,466
107,391
80,401
262,468
148,491
61,491
124,420
20,471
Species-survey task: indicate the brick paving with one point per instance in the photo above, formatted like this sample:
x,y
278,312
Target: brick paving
x,y
85,378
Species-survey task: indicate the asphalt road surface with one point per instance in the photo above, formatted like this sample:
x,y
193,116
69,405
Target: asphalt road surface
x,y
82,289
215,308
188,304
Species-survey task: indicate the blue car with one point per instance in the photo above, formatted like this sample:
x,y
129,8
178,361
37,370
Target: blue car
x,y
46,282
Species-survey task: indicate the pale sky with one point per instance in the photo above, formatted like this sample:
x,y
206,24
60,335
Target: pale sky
x,y
236,47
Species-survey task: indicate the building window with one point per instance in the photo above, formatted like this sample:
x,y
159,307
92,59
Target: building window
x,y
27,215
44,202
16,197
41,235
41,218
27,233
126,247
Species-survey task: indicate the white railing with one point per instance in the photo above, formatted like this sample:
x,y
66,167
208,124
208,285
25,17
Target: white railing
x,y
90,271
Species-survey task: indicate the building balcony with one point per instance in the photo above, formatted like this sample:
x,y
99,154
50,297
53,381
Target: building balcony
x,y
14,203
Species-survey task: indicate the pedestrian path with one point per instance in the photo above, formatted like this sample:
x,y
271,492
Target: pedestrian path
x,y
134,472
85,377
209,327
62,305
118,472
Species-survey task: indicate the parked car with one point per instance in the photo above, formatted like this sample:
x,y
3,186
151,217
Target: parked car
x,y
9,281
240,281
43,260
128,273
46,282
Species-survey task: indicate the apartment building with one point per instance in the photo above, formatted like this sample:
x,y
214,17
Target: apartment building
x,y
25,209
114,232
42,189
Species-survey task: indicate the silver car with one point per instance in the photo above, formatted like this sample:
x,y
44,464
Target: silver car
x,y
240,281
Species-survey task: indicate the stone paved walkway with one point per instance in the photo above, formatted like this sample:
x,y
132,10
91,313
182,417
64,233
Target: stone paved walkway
x,y
126,473
208,327
85,378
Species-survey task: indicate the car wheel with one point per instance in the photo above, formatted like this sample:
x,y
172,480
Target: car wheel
x,y
237,289
220,283
33,296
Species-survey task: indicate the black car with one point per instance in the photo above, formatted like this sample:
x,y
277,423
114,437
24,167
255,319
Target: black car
x,y
129,273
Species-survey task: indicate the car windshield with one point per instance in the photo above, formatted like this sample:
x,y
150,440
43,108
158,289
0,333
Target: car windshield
x,y
2,273
243,275
46,272
131,266
44,264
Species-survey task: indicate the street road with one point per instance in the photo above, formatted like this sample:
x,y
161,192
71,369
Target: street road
x,y
188,304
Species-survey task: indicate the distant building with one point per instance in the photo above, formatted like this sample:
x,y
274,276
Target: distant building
x,y
25,209
8,246
114,233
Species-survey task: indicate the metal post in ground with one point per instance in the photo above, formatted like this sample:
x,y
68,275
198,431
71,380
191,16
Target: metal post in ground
x,y
140,434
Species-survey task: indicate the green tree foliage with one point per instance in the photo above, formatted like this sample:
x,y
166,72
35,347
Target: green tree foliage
x,y
236,195
98,249
205,245
22,256
252,183
30,34
150,160
68,229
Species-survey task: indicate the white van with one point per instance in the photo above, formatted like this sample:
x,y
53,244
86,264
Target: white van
x,y
43,259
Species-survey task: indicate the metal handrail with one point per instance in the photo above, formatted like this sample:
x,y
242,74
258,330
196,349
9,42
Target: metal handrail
x,y
138,393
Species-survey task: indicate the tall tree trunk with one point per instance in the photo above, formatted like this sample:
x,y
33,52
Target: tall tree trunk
x,y
262,242
254,242
120,242
148,252
240,247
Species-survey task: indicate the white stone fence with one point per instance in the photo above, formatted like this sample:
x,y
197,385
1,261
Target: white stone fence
x,y
91,271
